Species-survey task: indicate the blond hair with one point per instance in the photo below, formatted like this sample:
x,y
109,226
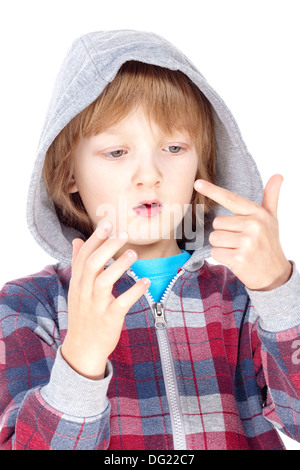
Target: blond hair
x,y
168,97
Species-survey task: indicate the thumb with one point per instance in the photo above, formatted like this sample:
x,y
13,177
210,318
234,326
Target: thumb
x,y
77,244
271,194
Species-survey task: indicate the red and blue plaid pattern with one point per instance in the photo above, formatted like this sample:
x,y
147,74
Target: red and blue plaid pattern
x,y
235,381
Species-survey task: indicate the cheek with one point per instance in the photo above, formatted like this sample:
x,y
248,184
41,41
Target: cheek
x,y
184,187
107,204
94,194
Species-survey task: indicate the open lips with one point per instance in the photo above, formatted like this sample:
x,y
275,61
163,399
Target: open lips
x,y
149,208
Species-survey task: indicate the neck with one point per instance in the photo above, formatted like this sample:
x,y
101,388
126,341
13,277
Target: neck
x,y
160,249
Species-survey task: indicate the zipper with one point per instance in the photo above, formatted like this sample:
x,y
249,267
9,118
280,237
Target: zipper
x,y
159,315
158,310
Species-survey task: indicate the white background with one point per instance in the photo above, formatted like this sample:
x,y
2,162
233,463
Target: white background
x,y
247,49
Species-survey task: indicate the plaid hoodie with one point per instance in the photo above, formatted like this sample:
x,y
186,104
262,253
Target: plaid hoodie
x,y
210,366
213,374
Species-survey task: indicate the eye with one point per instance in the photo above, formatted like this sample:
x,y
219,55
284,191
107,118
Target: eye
x,y
116,154
173,149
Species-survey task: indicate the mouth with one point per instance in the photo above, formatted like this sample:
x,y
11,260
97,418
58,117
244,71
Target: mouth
x,y
149,208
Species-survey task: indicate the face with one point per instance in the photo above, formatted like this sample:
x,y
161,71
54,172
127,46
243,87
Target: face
x,y
139,179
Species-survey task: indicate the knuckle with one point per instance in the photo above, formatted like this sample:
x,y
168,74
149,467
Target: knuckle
x,y
253,226
261,215
232,198
238,258
246,242
120,305
102,282
82,294
84,251
90,264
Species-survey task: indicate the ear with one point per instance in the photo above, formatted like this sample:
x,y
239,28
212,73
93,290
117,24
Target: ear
x,y
73,186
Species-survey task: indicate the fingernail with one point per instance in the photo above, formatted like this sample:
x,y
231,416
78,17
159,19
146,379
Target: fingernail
x,y
103,227
198,184
131,254
106,226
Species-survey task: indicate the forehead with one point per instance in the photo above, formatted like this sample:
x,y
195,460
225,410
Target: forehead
x,y
139,121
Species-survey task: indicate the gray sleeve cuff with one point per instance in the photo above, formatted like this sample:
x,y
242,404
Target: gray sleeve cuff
x,y
278,309
75,395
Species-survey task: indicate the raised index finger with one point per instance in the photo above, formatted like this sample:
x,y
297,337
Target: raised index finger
x,y
233,202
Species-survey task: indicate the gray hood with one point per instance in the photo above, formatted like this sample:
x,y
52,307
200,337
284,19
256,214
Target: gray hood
x,y
91,63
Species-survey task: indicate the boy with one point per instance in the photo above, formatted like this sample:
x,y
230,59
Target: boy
x,y
94,356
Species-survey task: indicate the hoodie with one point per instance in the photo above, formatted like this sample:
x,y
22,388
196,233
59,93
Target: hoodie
x,y
212,365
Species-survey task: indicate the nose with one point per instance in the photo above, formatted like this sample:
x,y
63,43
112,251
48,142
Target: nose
x,y
147,172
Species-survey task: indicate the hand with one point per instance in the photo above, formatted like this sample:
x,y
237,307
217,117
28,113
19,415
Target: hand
x,y
95,316
248,242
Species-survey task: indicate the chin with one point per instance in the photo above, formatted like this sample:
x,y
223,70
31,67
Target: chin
x,y
143,241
